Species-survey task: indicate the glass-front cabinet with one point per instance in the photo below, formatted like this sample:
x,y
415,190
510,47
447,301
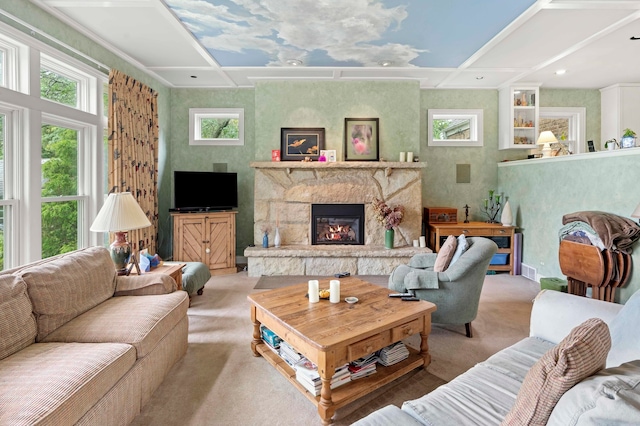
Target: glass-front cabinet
x,y
518,117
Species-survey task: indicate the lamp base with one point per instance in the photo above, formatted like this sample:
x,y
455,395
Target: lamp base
x,y
120,252
546,151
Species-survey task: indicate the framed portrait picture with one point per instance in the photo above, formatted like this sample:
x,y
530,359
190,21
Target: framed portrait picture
x,y
299,143
361,139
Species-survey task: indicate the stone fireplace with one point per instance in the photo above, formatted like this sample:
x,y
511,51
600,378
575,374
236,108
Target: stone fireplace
x,y
285,193
337,224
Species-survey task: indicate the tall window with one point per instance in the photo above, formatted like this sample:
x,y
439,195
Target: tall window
x,y
51,181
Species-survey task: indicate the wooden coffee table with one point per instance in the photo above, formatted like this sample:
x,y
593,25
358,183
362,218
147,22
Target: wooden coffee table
x,y
332,334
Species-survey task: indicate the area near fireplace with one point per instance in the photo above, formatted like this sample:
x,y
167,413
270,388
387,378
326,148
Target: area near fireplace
x,y
333,224
285,193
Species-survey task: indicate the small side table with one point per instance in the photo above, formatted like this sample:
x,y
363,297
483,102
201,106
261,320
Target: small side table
x,y
173,269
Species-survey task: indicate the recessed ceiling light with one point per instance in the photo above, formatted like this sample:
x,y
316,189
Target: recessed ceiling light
x,y
560,72
294,62
479,77
385,63
194,76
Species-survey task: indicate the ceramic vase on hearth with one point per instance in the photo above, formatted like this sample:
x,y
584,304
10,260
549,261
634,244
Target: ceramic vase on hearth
x,y
389,234
507,216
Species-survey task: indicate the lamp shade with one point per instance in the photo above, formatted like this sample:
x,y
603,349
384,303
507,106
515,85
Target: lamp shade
x,y
120,213
636,212
546,137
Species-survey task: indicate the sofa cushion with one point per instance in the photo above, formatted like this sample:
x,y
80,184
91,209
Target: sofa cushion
x,y
485,393
141,321
579,355
388,415
445,254
56,383
17,323
461,247
611,396
625,345
66,286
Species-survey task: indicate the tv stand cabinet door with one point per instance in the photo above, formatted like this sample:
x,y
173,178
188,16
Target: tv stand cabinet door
x,y
209,238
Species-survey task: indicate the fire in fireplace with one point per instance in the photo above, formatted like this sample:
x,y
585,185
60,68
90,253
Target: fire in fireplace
x,y
337,224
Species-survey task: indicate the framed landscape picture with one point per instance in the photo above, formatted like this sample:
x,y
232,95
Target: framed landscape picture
x,y
299,143
361,139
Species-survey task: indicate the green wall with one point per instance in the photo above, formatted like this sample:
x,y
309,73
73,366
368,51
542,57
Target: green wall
x,y
439,187
589,99
327,104
202,158
541,191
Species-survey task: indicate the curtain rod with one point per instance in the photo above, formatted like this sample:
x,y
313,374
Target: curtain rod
x,y
45,38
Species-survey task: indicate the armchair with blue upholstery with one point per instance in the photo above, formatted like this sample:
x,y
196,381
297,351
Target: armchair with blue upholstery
x,y
456,291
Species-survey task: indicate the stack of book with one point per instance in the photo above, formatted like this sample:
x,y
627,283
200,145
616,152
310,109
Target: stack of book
x,y
393,354
290,355
363,367
270,338
308,376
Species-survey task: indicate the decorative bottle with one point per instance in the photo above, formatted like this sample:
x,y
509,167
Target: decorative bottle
x,y
276,238
265,240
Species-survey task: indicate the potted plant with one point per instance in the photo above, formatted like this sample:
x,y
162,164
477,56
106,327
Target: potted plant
x,y
628,139
611,144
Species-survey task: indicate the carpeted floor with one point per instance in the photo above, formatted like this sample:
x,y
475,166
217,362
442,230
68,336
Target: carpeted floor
x,y
220,382
278,281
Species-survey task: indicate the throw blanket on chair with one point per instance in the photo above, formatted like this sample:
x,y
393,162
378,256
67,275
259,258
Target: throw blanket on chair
x,y
616,232
418,279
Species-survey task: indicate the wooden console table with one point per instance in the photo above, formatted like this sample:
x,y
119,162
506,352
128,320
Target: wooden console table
x,y
501,235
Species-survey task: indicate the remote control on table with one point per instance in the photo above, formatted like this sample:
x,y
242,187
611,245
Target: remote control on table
x,y
401,295
342,274
410,299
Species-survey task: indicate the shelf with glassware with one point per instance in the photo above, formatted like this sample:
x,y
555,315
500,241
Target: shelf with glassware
x,y
518,117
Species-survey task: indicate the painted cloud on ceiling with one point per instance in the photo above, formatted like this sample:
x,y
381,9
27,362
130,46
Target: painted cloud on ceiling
x,y
344,33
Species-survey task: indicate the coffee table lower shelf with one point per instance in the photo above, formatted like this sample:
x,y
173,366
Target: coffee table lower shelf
x,y
351,391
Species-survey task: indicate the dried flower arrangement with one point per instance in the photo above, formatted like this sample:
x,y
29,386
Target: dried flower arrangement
x,y
389,217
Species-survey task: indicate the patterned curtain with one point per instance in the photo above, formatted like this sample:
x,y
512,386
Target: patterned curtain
x,y
133,150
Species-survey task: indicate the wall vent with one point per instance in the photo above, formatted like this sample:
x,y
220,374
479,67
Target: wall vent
x,y
528,272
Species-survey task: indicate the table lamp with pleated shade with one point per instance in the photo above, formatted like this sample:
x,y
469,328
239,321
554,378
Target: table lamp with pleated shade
x,y
120,214
546,138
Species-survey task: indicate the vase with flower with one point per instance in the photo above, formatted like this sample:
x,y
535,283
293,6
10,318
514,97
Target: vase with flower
x,y
390,218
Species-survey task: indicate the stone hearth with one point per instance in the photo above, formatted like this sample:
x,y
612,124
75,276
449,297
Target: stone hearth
x,y
284,192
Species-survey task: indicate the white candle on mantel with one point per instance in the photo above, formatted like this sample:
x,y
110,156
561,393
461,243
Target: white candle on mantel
x,y
334,291
314,291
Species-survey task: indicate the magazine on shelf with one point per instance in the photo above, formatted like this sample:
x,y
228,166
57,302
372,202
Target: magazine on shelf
x,y
393,354
307,375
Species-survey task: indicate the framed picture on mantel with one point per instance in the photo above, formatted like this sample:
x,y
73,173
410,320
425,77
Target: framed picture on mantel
x,y
299,143
361,139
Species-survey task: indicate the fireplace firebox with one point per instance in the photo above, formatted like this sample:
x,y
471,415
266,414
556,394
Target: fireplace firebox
x,y
337,224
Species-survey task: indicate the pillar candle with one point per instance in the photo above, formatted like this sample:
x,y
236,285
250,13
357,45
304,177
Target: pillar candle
x,y
403,157
334,291
423,241
410,157
314,291
416,243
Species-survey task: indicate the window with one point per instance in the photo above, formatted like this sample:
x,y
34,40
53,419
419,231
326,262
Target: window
x,y
48,191
567,124
455,127
216,126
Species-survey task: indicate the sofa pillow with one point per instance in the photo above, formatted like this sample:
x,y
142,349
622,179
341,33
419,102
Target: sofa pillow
x,y
447,250
611,396
625,345
17,324
463,245
66,286
582,353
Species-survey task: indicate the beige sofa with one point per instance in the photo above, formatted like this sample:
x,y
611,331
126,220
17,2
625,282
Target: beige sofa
x,y
81,345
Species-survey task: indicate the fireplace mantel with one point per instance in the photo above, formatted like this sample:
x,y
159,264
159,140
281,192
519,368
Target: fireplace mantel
x,y
336,165
285,191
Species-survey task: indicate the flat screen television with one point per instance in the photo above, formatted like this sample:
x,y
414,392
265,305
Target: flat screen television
x,y
204,191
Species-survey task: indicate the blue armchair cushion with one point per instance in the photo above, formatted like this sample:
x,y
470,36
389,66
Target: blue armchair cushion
x,y
461,248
